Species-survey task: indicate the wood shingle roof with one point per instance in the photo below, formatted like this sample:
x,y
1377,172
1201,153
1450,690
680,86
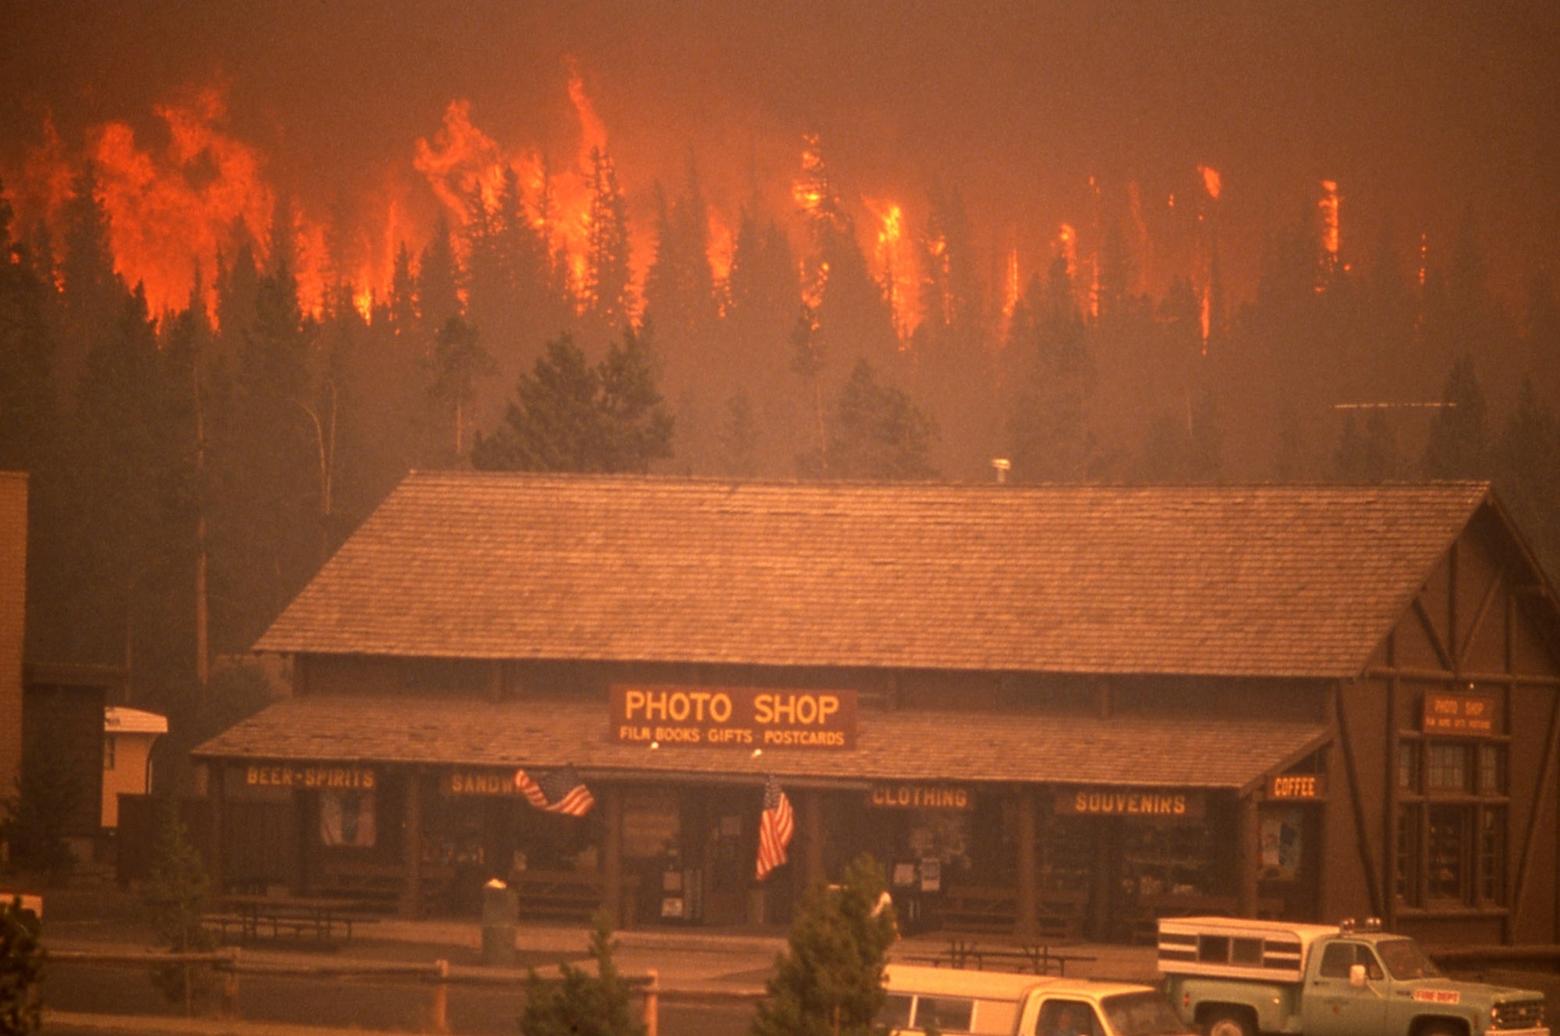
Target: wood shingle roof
x,y
925,745
1202,580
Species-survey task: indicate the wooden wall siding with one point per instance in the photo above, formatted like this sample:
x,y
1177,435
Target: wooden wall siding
x,y
1297,700
13,610
1353,819
1534,862
1471,625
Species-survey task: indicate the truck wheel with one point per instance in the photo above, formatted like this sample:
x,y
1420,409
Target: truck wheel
x,y
1442,1029
1230,1023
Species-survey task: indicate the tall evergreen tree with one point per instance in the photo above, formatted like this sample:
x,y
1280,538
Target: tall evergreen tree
x,y
275,461
114,465
570,416
1526,475
608,290
878,432
1458,444
458,362
93,294
438,281
1049,427
1367,454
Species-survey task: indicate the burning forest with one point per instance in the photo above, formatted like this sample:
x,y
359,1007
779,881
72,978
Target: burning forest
x,y
238,313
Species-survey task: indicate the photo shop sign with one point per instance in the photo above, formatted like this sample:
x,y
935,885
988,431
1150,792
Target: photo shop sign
x,y
732,717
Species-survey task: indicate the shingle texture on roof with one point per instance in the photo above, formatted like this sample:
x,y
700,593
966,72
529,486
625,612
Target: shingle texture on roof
x,y
1255,580
928,745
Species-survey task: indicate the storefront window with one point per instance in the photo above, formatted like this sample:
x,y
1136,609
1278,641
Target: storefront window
x,y
1446,767
1408,766
1449,854
1492,855
1492,770
1452,850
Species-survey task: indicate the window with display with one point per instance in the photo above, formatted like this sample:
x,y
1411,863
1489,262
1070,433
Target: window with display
x,y
1451,823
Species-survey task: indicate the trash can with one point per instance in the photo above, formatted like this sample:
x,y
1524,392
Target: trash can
x,y
500,914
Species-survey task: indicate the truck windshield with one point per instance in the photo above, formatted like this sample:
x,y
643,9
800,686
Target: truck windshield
x,y
1405,960
1141,1014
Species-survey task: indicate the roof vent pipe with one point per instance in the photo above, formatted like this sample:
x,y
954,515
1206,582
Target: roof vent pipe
x,y
1002,465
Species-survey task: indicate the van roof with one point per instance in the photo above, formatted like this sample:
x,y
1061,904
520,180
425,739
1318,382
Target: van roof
x,y
995,985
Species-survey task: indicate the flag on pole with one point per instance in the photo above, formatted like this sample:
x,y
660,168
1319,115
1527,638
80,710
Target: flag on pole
x,y
556,791
776,824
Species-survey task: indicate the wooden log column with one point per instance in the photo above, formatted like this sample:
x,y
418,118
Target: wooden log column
x,y
1028,899
612,855
411,847
216,787
1248,860
812,838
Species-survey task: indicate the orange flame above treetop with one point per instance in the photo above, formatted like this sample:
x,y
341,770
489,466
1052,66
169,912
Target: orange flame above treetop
x,y
1213,183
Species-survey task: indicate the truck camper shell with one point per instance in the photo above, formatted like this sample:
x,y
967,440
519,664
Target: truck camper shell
x,y
1271,951
983,1002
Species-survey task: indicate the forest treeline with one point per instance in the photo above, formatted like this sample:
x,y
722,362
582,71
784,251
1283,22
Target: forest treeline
x,y
191,470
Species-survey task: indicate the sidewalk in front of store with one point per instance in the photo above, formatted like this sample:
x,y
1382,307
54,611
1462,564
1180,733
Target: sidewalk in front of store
x,y
689,960
683,957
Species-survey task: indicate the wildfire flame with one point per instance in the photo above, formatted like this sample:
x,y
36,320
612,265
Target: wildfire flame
x,y
1011,287
893,265
1328,206
1213,183
1067,246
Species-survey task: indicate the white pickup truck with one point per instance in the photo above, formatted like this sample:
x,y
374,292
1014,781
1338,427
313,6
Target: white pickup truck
x,y
951,1000
1239,977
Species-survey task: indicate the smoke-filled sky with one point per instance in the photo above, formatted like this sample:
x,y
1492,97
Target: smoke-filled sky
x,y
1417,110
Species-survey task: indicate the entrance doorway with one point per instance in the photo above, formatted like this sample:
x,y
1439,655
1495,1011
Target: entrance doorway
x,y
725,820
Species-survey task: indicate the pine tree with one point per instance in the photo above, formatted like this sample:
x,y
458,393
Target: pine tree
x,y
1526,475
27,359
92,293
739,438
438,281
176,896
607,290
582,1003
878,432
1458,446
116,463
570,416
1368,454
22,959
1049,428
274,462
457,363
829,981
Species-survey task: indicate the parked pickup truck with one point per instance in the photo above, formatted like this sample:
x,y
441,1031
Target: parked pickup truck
x,y
951,1000
1236,977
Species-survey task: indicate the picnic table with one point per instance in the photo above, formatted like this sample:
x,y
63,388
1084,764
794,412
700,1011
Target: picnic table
x,y
1038,958
256,915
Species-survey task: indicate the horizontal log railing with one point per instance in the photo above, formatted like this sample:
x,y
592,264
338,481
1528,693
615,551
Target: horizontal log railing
x,y
230,964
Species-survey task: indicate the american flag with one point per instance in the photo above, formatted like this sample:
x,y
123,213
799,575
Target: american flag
x,y
556,791
776,824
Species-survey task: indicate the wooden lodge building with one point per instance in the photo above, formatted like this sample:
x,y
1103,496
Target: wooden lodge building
x,y
1057,710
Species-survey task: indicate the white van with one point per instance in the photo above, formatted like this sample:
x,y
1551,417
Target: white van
x,y
954,1001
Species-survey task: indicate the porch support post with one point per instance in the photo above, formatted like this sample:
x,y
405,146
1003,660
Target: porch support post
x,y
612,855
1027,898
411,847
216,787
1248,858
812,838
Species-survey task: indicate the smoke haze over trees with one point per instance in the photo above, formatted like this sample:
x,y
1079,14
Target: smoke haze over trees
x,y
1183,247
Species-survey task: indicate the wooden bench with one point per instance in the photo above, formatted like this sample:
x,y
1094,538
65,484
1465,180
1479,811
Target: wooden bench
x,y
987,909
565,895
